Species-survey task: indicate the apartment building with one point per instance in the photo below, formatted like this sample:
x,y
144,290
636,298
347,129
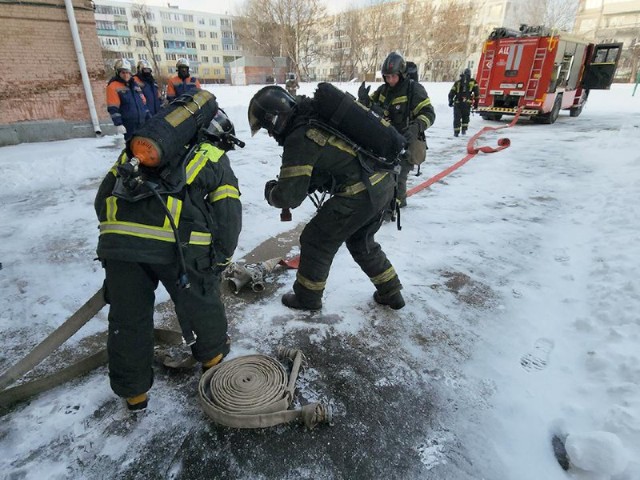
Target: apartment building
x,y
334,46
608,21
161,35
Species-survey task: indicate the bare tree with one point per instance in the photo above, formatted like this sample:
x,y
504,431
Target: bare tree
x,y
446,39
147,33
281,28
554,14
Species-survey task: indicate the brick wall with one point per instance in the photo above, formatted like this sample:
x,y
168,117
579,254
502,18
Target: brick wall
x,y
40,77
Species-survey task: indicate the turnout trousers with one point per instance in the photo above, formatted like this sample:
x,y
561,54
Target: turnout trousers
x,y
353,220
130,291
461,113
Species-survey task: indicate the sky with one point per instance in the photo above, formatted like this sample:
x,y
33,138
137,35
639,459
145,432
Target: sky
x,y
520,276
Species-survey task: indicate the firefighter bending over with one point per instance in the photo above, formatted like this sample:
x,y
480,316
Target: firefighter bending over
x,y
314,160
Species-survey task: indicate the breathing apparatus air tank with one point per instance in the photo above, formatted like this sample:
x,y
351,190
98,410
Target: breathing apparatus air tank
x,y
360,124
161,140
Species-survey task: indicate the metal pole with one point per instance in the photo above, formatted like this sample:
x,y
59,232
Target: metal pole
x,y
83,66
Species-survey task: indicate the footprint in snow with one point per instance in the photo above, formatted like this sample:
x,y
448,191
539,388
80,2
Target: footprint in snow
x,y
538,358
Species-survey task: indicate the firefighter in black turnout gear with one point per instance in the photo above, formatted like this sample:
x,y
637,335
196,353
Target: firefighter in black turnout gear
x,y
313,161
406,105
462,96
137,247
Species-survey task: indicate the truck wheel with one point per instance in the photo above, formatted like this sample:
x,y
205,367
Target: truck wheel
x,y
552,116
575,111
491,116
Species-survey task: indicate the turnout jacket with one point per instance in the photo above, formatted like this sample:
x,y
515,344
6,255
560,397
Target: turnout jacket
x,y
177,86
315,160
151,93
464,90
207,212
126,104
404,104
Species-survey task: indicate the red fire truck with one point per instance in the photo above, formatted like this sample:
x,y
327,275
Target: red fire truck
x,y
542,71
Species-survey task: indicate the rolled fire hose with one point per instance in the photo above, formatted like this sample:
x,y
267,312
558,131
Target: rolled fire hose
x,y
254,391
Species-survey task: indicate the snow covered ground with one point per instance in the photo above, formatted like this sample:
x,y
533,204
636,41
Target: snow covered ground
x,y
522,318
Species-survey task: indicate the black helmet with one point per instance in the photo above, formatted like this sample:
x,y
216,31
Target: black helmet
x,y
219,130
270,109
467,72
394,64
412,71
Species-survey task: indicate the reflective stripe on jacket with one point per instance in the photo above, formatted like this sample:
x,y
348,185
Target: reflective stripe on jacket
x,y
206,212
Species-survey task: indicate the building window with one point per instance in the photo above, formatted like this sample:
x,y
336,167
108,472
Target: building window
x,y
215,47
202,34
215,59
125,41
213,34
212,22
201,21
142,56
205,59
140,43
203,46
189,32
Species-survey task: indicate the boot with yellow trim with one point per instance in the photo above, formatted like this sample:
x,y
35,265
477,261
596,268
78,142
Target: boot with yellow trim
x,y
393,300
218,358
291,300
137,403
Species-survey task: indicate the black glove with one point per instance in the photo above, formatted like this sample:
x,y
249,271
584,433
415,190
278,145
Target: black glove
x,y
363,94
450,103
411,133
270,185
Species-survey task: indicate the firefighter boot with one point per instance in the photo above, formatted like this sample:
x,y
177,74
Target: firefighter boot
x,y
455,133
137,403
394,300
291,300
464,131
218,358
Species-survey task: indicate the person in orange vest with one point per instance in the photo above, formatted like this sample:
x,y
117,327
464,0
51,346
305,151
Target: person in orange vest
x,y
182,82
125,101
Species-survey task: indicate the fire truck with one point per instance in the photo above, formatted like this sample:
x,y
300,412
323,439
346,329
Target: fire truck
x,y
541,71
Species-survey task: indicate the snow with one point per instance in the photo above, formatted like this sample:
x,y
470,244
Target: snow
x,y
518,272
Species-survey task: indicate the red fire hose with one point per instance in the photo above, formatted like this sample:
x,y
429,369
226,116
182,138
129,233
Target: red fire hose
x,y
472,151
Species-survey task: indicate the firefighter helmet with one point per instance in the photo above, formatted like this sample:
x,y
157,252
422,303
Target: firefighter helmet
x,y
122,65
144,65
467,72
394,64
270,109
182,62
219,130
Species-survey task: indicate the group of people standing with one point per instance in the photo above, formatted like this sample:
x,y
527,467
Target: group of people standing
x,y
133,99
138,251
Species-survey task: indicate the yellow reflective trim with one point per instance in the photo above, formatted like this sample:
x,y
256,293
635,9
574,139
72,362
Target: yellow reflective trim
x,y
360,186
424,120
137,230
297,171
341,145
112,208
151,232
225,191
402,99
421,105
175,207
179,115
308,284
200,238
388,274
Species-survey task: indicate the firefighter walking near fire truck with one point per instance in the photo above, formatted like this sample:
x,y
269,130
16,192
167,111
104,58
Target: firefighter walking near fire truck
x,y
406,105
462,96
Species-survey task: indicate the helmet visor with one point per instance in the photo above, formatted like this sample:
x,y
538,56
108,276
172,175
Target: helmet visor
x,y
254,123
